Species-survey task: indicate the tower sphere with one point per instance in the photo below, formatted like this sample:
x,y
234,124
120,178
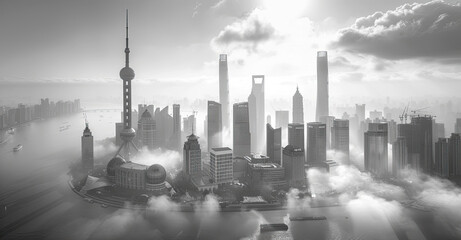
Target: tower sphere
x,y
127,134
127,73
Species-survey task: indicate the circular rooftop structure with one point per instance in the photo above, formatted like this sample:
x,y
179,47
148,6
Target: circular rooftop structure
x,y
156,174
113,163
127,73
127,134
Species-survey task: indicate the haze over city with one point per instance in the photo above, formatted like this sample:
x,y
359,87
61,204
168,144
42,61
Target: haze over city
x,y
230,119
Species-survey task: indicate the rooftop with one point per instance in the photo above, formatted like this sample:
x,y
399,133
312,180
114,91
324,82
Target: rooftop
x,y
136,166
265,165
221,149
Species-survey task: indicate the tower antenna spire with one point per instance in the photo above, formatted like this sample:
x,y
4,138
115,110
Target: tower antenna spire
x,y
127,49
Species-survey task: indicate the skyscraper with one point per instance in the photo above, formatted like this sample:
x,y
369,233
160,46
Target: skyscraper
x,y
422,143
442,166
192,156
316,143
360,111
257,116
146,130
221,167
340,137
127,74
143,107
376,155
399,155
164,127
328,121
376,115
242,135
293,162
281,121
189,124
454,154
274,144
392,131
322,85
176,137
296,135
458,126
298,109
214,125
224,90
87,149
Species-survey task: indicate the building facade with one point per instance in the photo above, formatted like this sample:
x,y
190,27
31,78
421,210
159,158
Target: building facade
x,y
293,162
256,106
316,143
399,156
296,135
340,137
192,156
241,132
87,149
146,130
214,123
376,155
221,165
322,85
224,90
265,175
281,121
274,144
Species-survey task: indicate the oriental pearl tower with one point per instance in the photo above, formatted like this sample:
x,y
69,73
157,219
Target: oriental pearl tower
x,y
127,74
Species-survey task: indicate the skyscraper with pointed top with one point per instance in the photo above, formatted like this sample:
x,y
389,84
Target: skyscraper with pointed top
x,y
87,149
192,155
127,74
298,109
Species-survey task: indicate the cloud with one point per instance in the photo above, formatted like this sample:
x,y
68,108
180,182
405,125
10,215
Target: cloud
x,y
248,33
170,160
427,31
234,7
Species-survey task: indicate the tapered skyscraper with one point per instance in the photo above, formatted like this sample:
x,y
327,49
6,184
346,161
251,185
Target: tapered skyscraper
x,y
224,90
257,115
322,85
127,74
298,109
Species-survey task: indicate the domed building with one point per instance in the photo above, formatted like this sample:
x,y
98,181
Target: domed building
x,y
155,178
139,177
114,163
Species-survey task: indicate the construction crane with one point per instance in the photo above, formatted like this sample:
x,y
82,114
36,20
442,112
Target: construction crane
x,y
404,114
419,110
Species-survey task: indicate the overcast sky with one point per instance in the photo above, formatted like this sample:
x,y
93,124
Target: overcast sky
x,y
74,48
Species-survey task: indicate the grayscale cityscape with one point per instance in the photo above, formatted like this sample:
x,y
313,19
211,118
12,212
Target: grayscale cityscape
x,y
230,119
